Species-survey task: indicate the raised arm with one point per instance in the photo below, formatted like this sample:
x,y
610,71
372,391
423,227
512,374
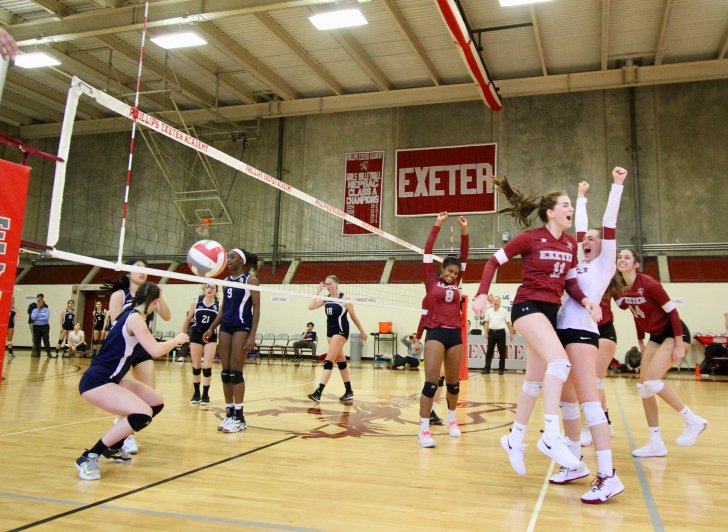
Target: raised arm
x,y
428,268
581,217
317,303
608,256
464,245
163,308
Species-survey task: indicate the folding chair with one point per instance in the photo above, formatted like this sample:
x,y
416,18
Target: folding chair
x,y
265,345
295,337
255,353
279,347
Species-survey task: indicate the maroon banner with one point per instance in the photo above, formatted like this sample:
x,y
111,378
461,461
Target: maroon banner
x,y
363,190
14,184
457,179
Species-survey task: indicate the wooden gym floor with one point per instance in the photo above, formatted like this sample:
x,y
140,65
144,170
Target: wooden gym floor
x,y
302,466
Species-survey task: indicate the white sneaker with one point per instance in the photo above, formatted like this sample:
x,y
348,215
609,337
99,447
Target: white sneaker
x,y
691,432
586,437
515,455
566,475
425,439
88,467
221,425
651,449
233,425
603,489
130,445
453,429
557,450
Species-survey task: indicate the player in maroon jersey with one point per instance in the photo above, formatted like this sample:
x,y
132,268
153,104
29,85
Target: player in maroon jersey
x,y
654,312
549,267
443,323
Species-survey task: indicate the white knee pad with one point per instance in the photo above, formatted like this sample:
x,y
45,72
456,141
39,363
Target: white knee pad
x,y
532,389
593,413
650,388
600,383
569,411
559,368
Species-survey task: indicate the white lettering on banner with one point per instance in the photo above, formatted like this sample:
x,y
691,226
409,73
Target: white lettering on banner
x,y
464,179
279,299
5,227
555,255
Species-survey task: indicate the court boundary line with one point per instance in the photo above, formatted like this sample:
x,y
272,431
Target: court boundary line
x,y
541,497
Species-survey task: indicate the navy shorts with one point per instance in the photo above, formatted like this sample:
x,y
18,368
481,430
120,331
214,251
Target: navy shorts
x,y
139,355
668,333
608,332
550,310
447,337
232,329
578,336
196,337
93,378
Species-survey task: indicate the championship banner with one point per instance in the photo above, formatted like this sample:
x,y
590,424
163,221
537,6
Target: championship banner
x,y
457,179
363,190
14,184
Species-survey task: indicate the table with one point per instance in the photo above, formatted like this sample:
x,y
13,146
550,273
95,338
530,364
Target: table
x,y
384,338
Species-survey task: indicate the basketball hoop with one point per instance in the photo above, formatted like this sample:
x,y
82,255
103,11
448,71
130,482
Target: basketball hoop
x,y
202,227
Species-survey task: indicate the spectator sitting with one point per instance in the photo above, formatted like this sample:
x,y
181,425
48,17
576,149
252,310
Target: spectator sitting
x,y
76,342
632,361
308,341
414,353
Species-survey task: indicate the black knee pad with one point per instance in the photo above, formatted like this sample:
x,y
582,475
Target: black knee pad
x,y
429,389
453,389
207,372
441,382
236,377
225,376
328,364
342,366
138,422
156,409
196,371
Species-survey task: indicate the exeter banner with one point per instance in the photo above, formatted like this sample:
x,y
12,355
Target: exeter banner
x,y
457,179
14,184
363,190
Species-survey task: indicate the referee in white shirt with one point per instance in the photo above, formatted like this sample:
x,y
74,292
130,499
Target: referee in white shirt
x,y
496,321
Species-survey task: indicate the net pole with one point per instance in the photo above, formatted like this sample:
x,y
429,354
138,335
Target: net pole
x,y
135,111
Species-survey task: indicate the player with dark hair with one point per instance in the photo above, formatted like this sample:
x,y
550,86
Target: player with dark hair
x,y
238,319
337,331
68,320
443,322
203,311
549,267
99,316
654,312
108,384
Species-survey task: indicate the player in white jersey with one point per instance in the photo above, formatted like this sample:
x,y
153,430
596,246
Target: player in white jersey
x,y
579,334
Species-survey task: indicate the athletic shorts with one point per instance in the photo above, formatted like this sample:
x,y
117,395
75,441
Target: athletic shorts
x,y
668,333
232,329
139,355
550,310
608,332
447,337
196,337
99,327
68,327
578,336
94,378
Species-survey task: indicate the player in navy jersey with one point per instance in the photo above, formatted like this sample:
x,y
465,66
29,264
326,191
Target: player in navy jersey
x,y
99,316
654,312
549,267
202,313
238,319
443,322
337,331
11,331
142,365
109,385
579,333
68,320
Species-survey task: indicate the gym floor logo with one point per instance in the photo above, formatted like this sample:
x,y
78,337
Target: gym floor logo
x,y
364,418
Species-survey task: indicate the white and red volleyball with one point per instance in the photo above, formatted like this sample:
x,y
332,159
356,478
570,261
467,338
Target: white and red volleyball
x,y
206,258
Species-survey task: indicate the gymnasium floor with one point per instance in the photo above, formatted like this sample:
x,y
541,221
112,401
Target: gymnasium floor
x,y
302,466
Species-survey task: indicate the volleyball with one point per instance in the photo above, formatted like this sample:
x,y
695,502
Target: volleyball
x,y
206,258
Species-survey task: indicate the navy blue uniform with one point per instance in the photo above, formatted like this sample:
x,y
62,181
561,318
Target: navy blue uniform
x,y
69,317
140,355
237,308
11,321
113,360
337,321
99,318
202,319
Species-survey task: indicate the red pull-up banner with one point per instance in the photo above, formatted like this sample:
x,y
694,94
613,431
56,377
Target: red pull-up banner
x,y
14,185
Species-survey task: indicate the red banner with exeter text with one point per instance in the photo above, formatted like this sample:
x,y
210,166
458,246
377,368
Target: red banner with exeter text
x,y
363,190
14,184
456,179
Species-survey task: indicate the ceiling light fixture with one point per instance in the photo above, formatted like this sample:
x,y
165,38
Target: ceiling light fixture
x,y
35,60
509,3
339,18
183,39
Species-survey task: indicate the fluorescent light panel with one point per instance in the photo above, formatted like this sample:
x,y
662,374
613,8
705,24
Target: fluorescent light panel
x,y
339,18
183,39
509,3
35,60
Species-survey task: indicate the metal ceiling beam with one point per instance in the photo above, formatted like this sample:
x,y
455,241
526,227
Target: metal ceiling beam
x,y
30,107
605,34
43,98
664,30
412,39
7,18
724,48
302,54
130,18
44,92
359,55
14,118
107,3
53,7
247,61
539,41
553,84
188,89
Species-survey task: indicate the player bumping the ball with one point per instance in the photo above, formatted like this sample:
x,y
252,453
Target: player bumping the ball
x,y
238,319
